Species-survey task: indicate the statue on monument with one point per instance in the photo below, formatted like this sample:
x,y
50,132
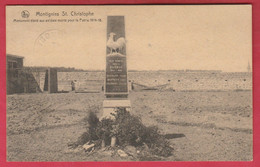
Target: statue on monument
x,y
115,46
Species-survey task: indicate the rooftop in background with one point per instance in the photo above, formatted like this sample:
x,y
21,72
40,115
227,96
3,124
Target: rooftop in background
x,y
14,61
14,56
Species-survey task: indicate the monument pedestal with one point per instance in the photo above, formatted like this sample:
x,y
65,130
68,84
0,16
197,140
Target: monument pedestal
x,y
110,106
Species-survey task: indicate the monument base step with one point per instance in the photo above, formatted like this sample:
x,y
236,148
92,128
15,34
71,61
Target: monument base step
x,y
110,105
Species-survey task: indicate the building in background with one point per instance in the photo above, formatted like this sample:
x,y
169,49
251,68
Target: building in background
x,y
14,66
14,62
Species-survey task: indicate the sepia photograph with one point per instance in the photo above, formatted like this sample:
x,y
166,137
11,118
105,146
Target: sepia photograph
x,y
129,83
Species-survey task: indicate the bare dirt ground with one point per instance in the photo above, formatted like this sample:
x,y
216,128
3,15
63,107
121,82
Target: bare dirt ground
x,y
201,126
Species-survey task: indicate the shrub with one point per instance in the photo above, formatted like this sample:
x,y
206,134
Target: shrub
x,y
129,130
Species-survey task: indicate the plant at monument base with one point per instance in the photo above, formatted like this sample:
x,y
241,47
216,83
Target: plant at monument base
x,y
92,122
104,129
128,130
131,131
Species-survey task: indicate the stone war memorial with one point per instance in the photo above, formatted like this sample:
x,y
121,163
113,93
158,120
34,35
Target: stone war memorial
x,y
116,87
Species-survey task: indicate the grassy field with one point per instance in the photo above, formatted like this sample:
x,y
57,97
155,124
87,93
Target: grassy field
x,y
201,126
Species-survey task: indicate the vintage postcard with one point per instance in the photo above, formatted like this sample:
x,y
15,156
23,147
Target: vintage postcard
x,y
129,83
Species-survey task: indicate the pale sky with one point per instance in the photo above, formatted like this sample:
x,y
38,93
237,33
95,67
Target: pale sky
x,y
199,37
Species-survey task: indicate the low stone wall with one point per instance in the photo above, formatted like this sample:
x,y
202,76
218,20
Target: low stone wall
x,y
80,81
195,81
29,82
174,80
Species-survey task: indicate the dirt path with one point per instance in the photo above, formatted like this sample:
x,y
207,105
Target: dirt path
x,y
202,126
